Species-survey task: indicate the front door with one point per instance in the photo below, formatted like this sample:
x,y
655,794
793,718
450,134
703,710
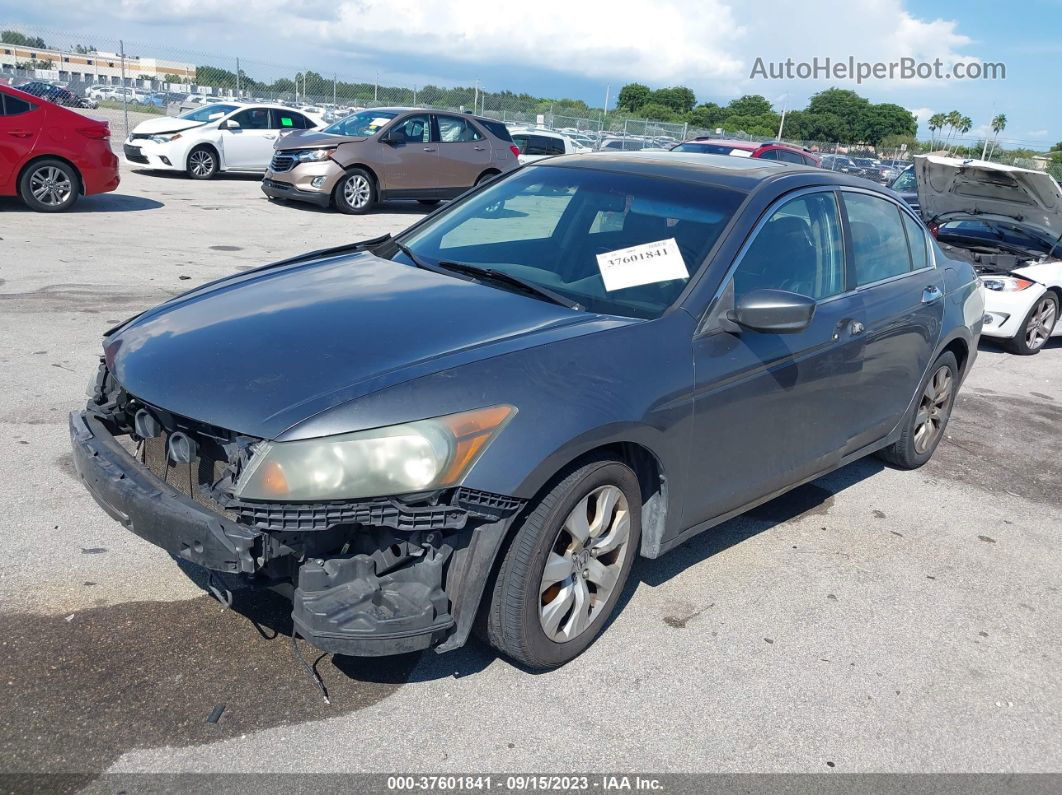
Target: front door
x,y
773,409
464,153
411,160
20,124
249,147
903,299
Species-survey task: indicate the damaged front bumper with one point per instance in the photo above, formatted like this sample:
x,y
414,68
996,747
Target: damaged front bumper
x,y
369,578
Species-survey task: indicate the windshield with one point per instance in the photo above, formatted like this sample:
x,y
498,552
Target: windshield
x,y
561,227
906,182
361,124
208,113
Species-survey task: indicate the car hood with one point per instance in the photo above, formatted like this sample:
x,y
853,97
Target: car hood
x,y
166,124
260,352
306,139
949,185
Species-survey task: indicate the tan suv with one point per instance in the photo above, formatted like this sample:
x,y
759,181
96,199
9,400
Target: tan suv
x,y
389,153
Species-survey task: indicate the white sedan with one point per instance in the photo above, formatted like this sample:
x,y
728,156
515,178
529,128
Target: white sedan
x,y
536,143
219,137
1006,221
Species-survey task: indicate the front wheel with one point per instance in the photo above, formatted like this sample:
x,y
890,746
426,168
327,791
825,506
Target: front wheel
x,y
1038,326
202,163
49,186
925,426
355,193
567,565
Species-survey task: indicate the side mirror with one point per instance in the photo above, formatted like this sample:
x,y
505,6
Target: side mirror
x,y
773,311
230,124
391,139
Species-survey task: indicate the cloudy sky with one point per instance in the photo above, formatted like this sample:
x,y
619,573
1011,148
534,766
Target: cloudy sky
x,y
577,49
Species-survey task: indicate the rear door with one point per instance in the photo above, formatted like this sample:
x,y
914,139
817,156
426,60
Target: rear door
x,y
250,146
20,125
464,152
903,303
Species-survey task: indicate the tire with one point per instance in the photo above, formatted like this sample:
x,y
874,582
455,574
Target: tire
x,y
1036,328
486,176
928,419
355,193
49,186
428,202
202,163
517,620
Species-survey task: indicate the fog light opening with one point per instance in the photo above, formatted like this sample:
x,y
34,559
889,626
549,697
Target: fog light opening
x,y
317,182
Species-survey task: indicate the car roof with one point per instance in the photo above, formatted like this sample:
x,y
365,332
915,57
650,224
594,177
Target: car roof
x,y
731,142
737,173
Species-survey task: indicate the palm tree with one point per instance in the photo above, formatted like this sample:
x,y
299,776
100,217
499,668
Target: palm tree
x,y
965,125
999,123
936,122
953,120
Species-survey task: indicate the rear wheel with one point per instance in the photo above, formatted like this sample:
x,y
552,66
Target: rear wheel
x,y
1037,328
202,163
355,193
924,428
49,186
567,565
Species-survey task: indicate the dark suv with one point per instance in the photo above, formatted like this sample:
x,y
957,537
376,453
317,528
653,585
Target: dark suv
x,y
389,153
495,413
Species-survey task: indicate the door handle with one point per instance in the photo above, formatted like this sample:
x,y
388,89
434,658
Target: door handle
x,y
479,148
19,133
270,137
429,148
930,294
854,327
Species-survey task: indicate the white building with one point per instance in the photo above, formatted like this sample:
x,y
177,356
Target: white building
x,y
95,66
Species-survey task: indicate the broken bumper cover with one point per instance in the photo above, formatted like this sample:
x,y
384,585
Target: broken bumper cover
x,y
394,591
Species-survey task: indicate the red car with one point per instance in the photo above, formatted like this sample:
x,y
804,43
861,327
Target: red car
x,y
768,151
49,156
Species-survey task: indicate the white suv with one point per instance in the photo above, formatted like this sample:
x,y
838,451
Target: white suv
x,y
536,143
225,137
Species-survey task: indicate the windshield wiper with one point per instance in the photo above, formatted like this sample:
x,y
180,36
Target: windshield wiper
x,y
414,258
489,274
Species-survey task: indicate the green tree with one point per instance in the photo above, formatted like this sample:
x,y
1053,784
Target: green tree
x,y
999,123
632,96
879,121
748,105
679,98
21,39
936,124
658,112
707,115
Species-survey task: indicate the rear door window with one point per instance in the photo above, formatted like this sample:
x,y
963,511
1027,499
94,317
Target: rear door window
x,y
453,129
13,106
496,128
288,120
879,243
916,242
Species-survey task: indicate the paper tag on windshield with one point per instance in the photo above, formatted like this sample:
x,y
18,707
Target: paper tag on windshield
x,y
646,264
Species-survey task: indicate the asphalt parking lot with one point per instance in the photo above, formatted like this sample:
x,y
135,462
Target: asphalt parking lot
x,y
875,620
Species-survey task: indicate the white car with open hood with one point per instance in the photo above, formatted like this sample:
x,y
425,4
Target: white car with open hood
x,y
1007,222
218,137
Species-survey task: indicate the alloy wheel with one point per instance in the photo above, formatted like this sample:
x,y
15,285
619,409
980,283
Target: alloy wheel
x,y
933,410
584,564
1041,324
51,186
356,191
201,162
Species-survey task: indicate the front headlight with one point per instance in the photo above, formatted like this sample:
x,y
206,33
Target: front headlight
x,y
1005,284
313,155
166,138
399,459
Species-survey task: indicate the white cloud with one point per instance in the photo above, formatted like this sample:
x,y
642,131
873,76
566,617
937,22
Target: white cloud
x,y
709,45
1037,133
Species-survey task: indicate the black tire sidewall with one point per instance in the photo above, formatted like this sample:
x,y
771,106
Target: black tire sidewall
x,y
340,201
912,458
31,201
213,154
1017,344
543,651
